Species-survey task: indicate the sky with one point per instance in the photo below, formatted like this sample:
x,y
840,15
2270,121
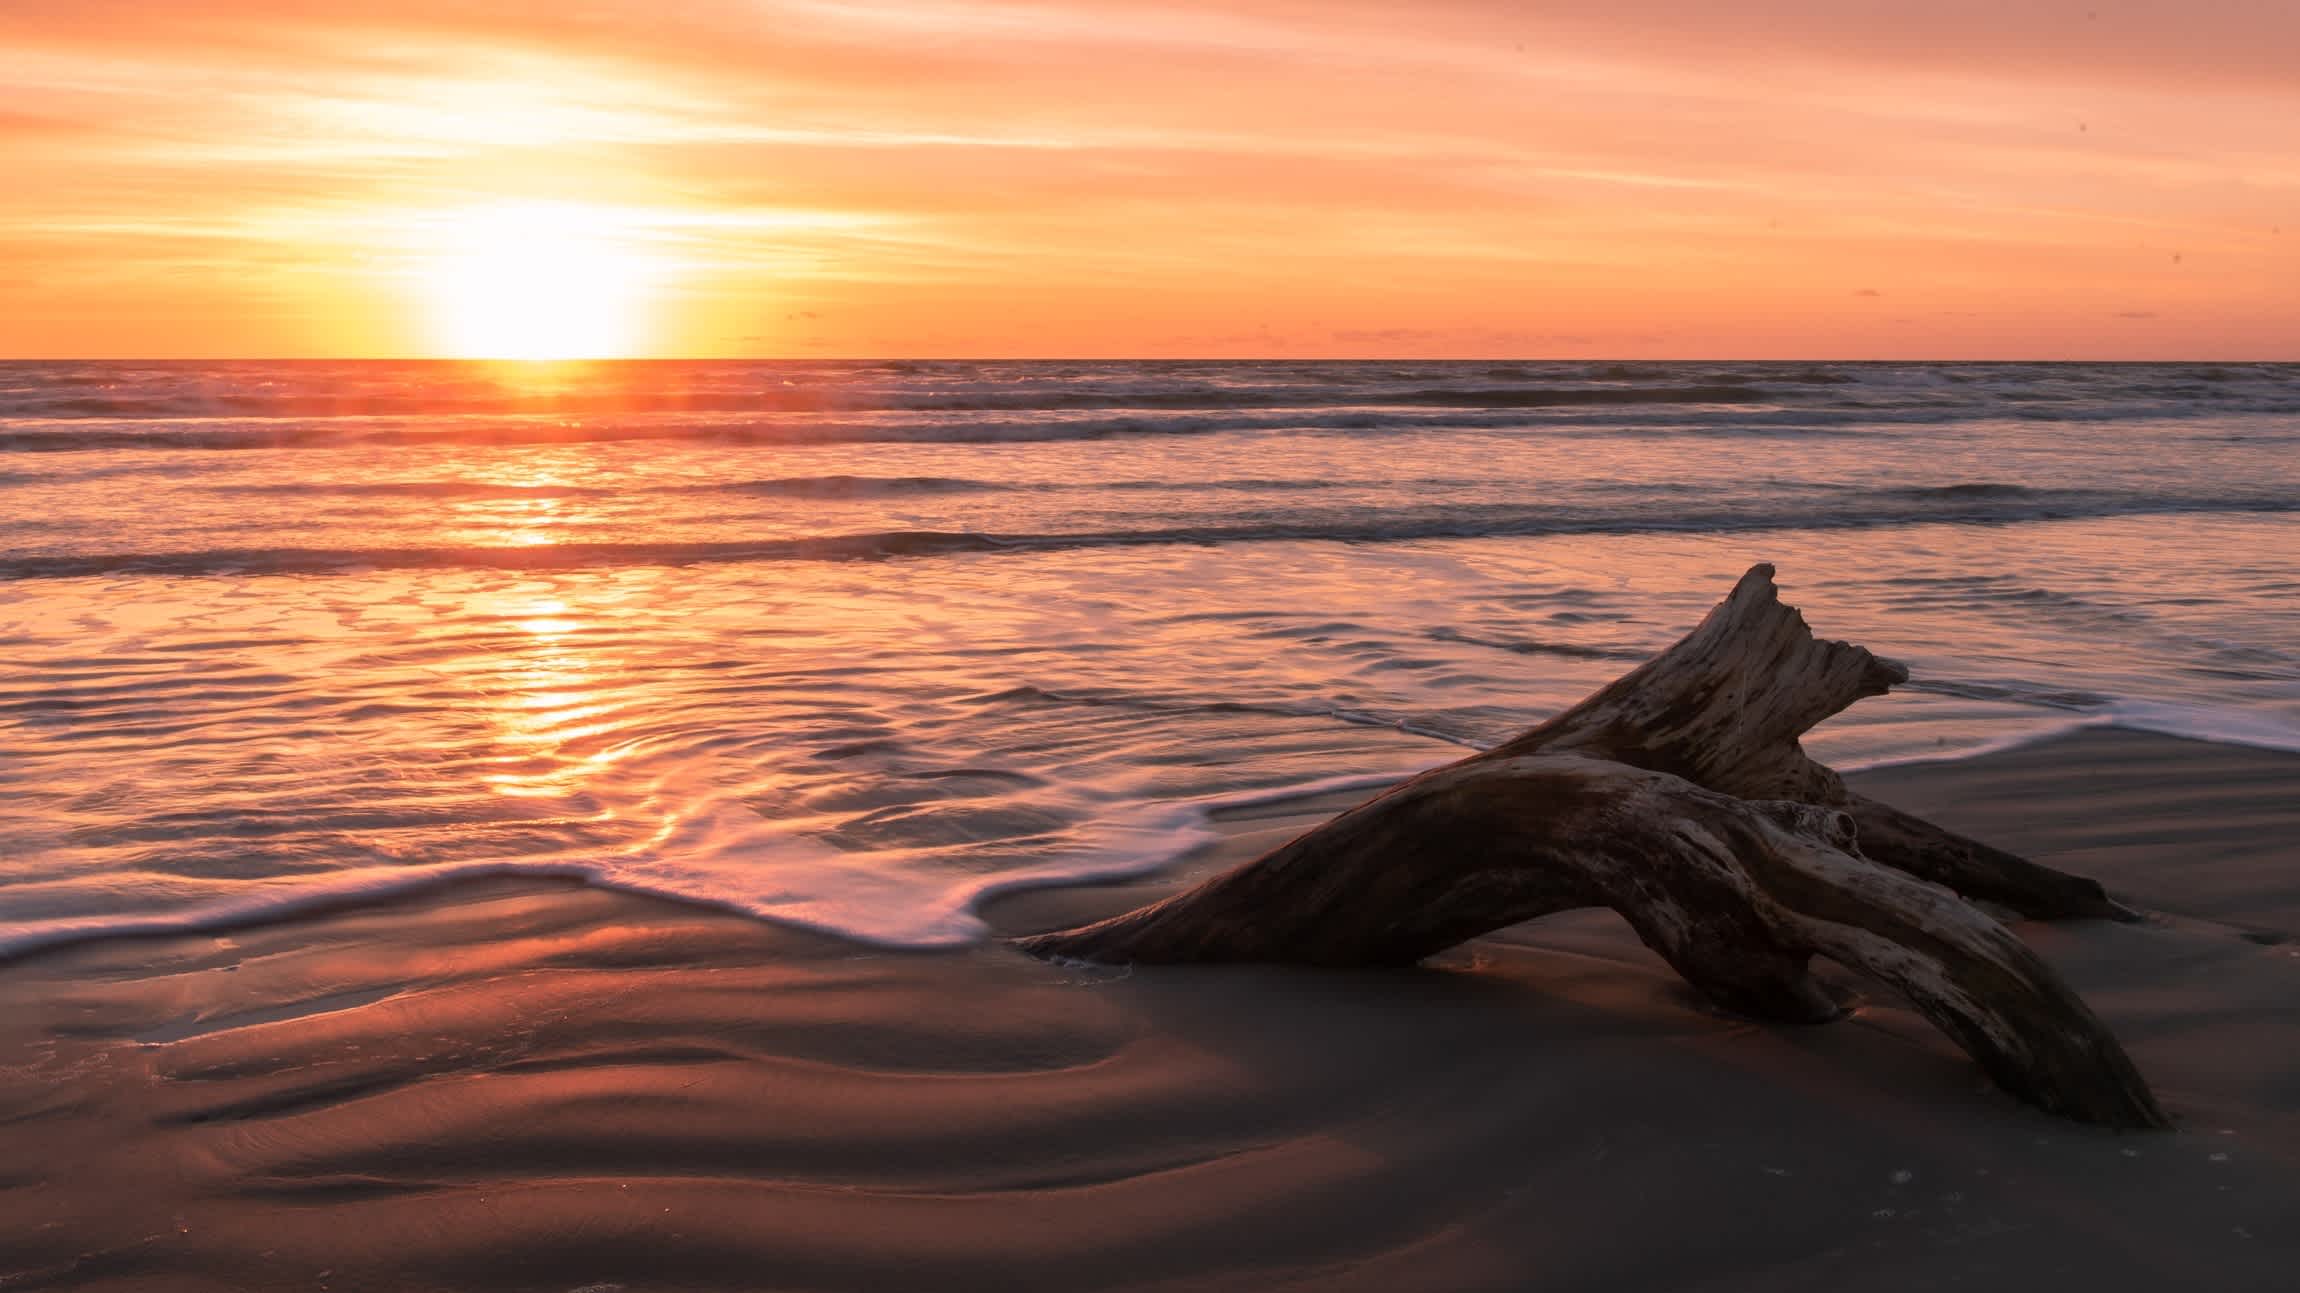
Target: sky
x,y
1441,178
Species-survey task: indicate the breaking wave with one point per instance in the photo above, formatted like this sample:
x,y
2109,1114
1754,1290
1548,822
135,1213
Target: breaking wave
x,y
1858,510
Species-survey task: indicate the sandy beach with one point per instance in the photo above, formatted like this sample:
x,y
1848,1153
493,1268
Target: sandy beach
x,y
524,1085
1069,646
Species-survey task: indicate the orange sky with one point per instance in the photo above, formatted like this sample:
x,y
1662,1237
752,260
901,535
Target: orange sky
x,y
1823,178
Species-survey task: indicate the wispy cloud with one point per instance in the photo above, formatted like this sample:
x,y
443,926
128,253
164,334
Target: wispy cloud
x,y
1042,176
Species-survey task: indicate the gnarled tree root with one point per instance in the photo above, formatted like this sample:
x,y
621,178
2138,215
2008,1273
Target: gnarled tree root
x,y
1680,798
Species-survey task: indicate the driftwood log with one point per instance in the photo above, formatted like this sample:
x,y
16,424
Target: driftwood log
x,y
1680,797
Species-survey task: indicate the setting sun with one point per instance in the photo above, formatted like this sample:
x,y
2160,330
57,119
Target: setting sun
x,y
1149,644
537,281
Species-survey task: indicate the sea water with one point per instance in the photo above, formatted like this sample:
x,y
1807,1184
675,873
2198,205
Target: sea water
x,y
854,645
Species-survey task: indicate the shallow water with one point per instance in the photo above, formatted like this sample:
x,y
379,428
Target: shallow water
x,y
853,645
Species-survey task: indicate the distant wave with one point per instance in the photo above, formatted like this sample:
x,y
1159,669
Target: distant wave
x,y
1687,421
836,487
208,402
833,488
1975,489
413,489
852,487
509,432
1869,509
297,561
34,394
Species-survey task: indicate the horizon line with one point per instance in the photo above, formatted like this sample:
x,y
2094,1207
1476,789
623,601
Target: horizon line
x,y
1089,359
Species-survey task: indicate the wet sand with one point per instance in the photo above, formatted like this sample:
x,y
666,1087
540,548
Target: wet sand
x,y
526,1085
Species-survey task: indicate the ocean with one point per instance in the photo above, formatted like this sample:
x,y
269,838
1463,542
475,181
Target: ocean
x,y
858,645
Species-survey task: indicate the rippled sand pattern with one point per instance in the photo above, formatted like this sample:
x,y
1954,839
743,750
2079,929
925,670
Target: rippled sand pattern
x,y
529,1086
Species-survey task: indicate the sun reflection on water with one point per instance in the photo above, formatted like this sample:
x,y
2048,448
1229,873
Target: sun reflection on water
x,y
533,522
539,506
551,690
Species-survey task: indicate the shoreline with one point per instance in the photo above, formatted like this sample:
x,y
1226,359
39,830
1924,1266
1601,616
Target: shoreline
x,y
527,1083
1302,804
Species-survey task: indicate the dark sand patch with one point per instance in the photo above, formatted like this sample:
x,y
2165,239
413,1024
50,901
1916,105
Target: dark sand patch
x,y
520,1085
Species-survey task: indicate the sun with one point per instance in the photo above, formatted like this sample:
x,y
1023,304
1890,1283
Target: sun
x,y
538,280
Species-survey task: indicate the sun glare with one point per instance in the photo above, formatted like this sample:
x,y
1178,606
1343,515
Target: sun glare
x,y
538,281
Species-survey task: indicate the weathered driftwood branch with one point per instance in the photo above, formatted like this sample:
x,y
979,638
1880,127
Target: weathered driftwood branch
x,y
1724,708
1680,798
